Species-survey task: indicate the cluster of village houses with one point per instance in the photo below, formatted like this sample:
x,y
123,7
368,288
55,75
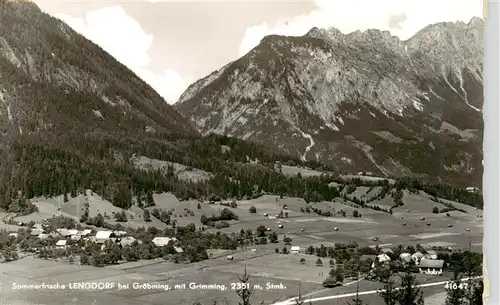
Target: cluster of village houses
x,y
427,263
101,237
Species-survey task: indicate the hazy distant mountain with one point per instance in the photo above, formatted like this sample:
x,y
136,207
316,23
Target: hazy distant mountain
x,y
365,101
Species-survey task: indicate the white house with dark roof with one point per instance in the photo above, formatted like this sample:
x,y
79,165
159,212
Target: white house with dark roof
x,y
431,266
103,236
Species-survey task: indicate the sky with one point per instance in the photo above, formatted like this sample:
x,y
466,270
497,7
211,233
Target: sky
x,y
172,43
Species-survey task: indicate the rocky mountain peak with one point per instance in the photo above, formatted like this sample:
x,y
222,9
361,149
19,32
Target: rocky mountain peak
x,y
364,100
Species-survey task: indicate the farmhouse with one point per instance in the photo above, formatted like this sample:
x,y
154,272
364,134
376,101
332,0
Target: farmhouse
x,y
383,258
61,243
119,233
127,241
416,257
431,266
431,254
406,257
295,250
103,236
64,232
85,232
163,241
36,232
472,189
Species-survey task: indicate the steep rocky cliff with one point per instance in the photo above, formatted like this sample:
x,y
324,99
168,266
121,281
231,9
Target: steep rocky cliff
x,y
365,101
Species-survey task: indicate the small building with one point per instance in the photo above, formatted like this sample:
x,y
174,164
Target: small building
x,y
295,250
43,236
405,257
416,257
120,233
61,243
163,241
431,254
178,249
76,237
103,236
73,232
431,266
472,189
63,232
383,258
127,241
85,232
36,232
13,234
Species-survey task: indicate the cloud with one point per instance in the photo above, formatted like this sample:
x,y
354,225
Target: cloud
x,y
395,21
124,38
401,17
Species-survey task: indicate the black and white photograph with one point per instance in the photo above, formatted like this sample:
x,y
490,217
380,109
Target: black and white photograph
x,y
272,152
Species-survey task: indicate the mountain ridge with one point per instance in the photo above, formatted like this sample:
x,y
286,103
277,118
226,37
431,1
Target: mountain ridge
x,y
298,93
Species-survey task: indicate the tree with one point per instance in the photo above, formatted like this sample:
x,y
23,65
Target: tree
x,y
147,216
337,274
355,213
253,210
455,295
273,238
409,294
330,282
302,260
284,250
84,259
389,293
245,292
261,231
477,298
276,250
435,210
121,216
287,240
299,300
319,262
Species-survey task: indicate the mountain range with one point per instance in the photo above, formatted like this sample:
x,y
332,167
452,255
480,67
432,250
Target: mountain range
x,y
363,101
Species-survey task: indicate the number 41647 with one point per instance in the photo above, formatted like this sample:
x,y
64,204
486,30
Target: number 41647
x,y
452,285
